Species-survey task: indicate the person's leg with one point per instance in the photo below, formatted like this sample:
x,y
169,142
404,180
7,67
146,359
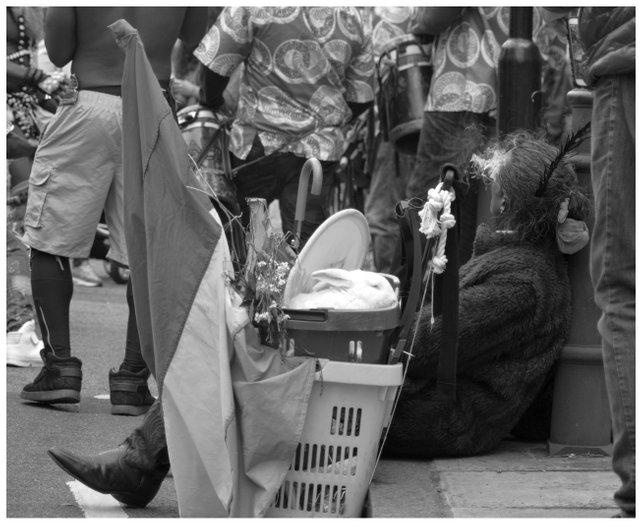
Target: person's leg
x,y
52,289
133,472
19,301
147,444
133,361
61,377
388,184
450,137
613,263
254,180
129,391
276,177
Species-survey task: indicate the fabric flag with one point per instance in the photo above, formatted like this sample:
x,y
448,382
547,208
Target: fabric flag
x,y
233,410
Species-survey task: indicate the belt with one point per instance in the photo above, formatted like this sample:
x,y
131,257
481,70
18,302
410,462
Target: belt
x,y
113,90
116,90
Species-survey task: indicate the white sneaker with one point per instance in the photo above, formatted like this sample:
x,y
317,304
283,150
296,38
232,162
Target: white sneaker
x,y
23,346
84,275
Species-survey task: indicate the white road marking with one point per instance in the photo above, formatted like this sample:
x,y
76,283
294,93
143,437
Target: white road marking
x,y
94,504
104,397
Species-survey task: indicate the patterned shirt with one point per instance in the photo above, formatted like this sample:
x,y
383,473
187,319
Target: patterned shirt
x,y
388,23
466,59
302,66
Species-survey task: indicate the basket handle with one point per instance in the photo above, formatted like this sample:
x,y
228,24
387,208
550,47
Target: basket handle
x,y
317,314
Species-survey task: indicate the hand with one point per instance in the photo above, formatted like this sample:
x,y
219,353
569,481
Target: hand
x,y
184,89
54,83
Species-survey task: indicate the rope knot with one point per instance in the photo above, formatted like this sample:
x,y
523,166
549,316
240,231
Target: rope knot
x,y
433,225
439,263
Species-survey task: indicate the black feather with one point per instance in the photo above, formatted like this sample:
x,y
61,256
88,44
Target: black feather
x,y
569,147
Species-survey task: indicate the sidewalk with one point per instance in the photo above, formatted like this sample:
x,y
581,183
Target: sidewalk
x,y
518,480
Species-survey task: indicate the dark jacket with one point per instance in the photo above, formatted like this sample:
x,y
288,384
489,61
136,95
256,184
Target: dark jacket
x,y
609,38
514,318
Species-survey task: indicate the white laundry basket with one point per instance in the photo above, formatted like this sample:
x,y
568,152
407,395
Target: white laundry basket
x,y
329,476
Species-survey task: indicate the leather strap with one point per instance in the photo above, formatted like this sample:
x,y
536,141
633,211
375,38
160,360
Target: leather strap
x,y
446,297
445,285
407,212
70,371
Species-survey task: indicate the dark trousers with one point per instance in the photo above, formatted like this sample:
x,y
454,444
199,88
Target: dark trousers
x,y
277,177
451,137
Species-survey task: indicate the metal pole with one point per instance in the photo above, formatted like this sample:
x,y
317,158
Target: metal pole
x,y
519,75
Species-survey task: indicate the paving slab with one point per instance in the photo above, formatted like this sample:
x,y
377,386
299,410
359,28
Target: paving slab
x,y
517,480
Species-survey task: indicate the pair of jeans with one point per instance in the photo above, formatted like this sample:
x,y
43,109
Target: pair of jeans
x,y
388,182
451,137
277,176
613,263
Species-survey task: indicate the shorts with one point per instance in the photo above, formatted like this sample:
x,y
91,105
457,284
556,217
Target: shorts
x,y
76,174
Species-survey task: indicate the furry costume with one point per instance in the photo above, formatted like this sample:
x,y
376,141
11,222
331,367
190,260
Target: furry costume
x,y
520,295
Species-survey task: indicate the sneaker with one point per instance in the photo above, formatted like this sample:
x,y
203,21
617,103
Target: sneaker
x,y
84,275
129,392
23,346
59,380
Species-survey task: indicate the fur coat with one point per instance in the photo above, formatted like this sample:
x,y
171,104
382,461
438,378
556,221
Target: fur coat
x,y
514,315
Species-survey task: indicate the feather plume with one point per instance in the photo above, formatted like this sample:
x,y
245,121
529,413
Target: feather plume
x,y
569,147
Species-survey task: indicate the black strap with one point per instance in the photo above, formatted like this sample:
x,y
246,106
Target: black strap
x,y
446,296
417,253
417,256
407,212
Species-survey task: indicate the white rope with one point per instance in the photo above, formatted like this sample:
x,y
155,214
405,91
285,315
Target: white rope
x,y
434,226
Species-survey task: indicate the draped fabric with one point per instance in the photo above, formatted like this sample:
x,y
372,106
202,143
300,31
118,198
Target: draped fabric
x,y
233,409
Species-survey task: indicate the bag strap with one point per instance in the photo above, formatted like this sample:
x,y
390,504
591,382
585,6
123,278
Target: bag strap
x,y
446,301
446,295
407,213
418,253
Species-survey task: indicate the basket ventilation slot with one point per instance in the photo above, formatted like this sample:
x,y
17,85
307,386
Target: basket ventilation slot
x,y
324,459
346,421
311,497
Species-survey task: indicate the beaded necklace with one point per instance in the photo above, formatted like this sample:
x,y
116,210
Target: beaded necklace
x,y
23,55
22,104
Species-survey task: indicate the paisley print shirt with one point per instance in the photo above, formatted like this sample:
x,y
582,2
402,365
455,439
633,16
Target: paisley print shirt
x,y
466,59
302,66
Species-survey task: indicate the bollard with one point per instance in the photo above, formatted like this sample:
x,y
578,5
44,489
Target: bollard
x,y
519,75
519,87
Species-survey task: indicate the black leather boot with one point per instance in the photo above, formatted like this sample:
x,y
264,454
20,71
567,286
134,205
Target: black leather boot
x,y
133,472
108,472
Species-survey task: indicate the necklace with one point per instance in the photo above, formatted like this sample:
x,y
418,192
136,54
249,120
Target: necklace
x,y
22,103
23,55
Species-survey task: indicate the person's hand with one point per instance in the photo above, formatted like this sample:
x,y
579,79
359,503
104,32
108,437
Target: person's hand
x,y
184,89
51,83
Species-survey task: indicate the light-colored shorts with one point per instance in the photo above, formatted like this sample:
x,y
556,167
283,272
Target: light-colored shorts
x,y
76,174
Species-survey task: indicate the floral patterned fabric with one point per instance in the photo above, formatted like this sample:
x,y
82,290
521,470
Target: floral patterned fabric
x,y
302,66
466,59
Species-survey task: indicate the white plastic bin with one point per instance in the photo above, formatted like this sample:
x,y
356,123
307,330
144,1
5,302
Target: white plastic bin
x,y
329,476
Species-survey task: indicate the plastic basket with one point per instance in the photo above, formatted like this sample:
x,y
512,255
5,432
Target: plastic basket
x,y
342,335
333,465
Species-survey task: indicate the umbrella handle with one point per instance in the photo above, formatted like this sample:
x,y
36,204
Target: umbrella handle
x,y
311,167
